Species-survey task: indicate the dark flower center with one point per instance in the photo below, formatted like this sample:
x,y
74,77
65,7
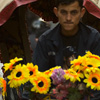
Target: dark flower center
x,y
90,66
81,64
71,72
31,72
18,74
99,67
40,84
94,80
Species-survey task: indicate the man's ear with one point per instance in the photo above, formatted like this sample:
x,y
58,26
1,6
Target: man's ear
x,y
55,11
83,10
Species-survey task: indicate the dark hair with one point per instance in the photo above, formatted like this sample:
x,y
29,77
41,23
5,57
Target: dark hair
x,y
67,2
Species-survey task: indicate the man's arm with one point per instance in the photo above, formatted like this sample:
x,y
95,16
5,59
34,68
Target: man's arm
x,y
40,56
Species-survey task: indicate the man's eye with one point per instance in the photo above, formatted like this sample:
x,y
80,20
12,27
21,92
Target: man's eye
x,y
74,12
63,12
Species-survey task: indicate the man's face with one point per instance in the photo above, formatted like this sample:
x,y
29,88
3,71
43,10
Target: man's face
x,y
69,15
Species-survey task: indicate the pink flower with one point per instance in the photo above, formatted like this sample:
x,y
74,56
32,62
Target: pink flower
x,y
61,91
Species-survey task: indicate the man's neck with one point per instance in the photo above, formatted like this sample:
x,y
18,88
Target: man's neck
x,y
69,33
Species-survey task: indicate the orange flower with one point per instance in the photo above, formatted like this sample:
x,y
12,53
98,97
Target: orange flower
x,y
18,76
3,85
41,83
90,55
73,75
15,60
32,70
10,65
78,64
91,65
50,71
93,80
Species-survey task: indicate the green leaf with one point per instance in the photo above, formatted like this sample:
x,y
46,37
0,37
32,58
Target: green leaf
x,y
74,94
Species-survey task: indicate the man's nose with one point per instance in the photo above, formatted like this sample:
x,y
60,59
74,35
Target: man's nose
x,y
69,16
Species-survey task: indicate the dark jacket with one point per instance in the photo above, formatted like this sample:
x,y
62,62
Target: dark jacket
x,y
48,52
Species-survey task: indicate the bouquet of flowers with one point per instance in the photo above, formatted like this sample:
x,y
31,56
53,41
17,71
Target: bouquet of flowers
x,y
70,84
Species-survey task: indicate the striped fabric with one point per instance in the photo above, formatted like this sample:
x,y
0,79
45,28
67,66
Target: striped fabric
x,y
93,7
8,6
4,3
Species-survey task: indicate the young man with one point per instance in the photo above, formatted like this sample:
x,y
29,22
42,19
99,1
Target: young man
x,y
70,32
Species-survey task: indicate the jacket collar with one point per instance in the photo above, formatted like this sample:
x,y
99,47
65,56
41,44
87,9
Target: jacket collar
x,y
84,32
56,37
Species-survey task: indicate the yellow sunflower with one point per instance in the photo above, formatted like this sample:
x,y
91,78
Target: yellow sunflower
x,y
3,86
41,83
18,76
10,65
91,65
73,75
50,71
90,55
56,67
32,69
15,60
93,80
77,64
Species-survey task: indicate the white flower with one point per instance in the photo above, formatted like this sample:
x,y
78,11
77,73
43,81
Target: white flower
x,y
1,73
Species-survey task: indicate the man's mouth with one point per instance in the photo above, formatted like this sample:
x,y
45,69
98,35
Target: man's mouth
x,y
68,22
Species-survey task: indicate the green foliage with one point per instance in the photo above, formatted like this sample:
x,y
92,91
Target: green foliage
x,y
74,94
